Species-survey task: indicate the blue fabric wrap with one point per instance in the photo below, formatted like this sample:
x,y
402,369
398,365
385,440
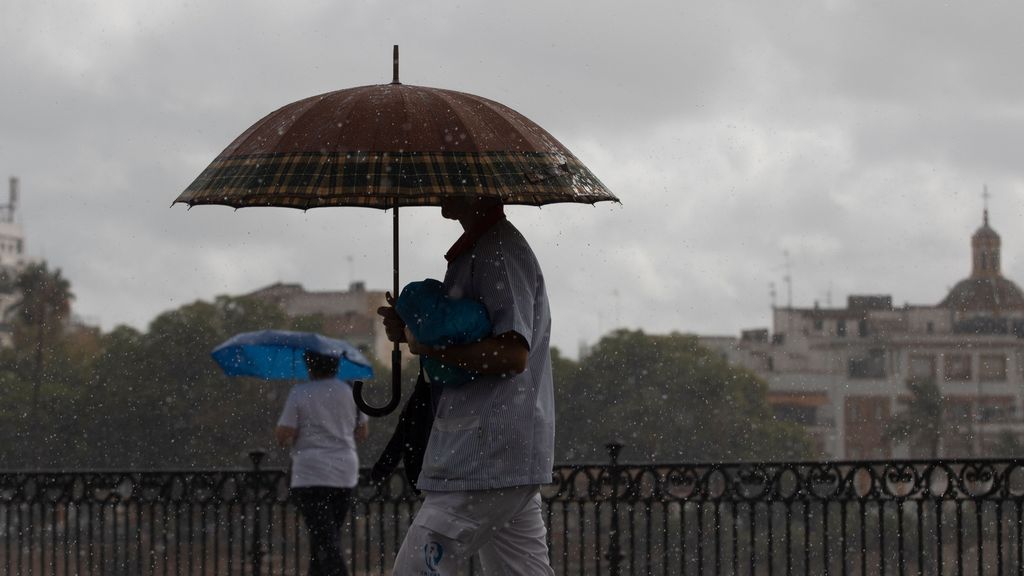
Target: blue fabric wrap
x,y
437,320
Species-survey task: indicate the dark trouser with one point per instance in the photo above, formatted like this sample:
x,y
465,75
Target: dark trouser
x,y
324,509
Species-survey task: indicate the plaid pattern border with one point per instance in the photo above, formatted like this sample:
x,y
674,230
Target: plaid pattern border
x,y
382,180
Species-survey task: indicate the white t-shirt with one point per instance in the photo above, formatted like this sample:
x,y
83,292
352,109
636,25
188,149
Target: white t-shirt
x,y
325,417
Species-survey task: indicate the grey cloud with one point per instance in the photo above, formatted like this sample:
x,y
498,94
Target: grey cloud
x,y
856,137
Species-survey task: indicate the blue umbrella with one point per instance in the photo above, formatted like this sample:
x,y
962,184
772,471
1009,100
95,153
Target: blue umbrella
x,y
277,355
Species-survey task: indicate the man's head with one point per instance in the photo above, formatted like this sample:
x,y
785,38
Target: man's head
x,y
467,208
319,366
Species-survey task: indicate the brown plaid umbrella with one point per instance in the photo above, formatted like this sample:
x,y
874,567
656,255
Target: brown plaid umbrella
x,y
393,145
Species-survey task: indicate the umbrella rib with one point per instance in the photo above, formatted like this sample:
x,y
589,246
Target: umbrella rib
x,y
311,198
464,126
401,157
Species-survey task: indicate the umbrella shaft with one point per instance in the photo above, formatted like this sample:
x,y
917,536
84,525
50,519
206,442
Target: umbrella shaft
x,y
394,269
396,358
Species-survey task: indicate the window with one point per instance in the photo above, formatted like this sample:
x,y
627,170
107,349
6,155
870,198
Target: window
x,y
805,415
922,366
867,410
957,413
841,328
819,324
862,328
870,366
992,368
957,367
930,328
995,411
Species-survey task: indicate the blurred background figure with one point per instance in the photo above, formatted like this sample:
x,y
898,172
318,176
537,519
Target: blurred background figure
x,y
321,425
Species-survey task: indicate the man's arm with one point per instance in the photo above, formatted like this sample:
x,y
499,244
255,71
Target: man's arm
x,y
502,354
286,436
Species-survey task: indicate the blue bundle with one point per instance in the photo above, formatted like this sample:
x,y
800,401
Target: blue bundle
x,y
437,320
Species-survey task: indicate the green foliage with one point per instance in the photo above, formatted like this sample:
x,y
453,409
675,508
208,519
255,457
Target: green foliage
x,y
8,280
666,398
42,311
156,400
151,399
45,297
920,423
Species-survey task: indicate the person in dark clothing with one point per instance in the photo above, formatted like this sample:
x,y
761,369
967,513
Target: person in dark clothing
x,y
409,440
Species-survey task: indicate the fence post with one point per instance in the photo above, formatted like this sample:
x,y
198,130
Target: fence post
x,y
614,555
257,539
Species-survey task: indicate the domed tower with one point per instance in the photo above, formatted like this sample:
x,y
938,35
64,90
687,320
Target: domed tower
x,y
986,293
985,248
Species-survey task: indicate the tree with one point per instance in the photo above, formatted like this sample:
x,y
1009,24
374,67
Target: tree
x,y
159,399
42,313
8,281
920,423
667,397
147,399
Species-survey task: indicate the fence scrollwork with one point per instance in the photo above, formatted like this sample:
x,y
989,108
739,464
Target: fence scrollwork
x,y
627,517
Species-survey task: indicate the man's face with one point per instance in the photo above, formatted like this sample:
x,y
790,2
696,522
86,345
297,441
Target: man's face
x,y
462,207
456,208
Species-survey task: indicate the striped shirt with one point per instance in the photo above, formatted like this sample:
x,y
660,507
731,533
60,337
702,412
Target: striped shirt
x,y
497,432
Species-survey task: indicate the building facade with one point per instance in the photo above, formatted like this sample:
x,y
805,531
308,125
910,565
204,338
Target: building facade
x,y
350,315
844,373
12,261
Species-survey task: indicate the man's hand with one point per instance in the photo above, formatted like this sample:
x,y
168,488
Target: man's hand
x,y
394,327
414,345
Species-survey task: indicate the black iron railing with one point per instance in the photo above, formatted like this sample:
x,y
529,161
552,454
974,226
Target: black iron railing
x,y
878,517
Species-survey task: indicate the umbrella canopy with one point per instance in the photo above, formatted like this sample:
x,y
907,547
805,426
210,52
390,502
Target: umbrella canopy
x,y
388,146
278,355
393,145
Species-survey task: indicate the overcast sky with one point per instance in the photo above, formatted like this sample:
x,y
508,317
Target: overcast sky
x,y
854,136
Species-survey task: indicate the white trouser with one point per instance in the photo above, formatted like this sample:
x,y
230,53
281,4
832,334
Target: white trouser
x,y
504,526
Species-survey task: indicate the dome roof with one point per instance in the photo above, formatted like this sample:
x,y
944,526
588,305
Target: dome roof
x,y
986,231
984,294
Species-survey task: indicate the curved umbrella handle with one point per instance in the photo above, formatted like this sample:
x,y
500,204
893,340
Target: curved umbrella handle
x,y
396,390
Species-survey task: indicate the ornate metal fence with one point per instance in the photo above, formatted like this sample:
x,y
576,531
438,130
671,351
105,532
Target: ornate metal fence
x,y
906,517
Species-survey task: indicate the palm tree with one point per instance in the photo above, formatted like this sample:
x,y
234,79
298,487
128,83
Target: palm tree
x,y
42,311
920,423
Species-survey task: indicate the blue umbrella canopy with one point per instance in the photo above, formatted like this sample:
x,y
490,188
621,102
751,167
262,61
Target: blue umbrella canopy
x,y
277,355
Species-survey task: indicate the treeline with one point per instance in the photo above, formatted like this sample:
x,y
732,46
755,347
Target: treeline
x,y
128,399
667,398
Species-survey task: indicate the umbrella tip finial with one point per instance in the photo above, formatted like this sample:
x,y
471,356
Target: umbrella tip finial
x,y
394,79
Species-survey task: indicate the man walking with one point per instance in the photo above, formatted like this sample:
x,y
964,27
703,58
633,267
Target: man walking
x,y
492,442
